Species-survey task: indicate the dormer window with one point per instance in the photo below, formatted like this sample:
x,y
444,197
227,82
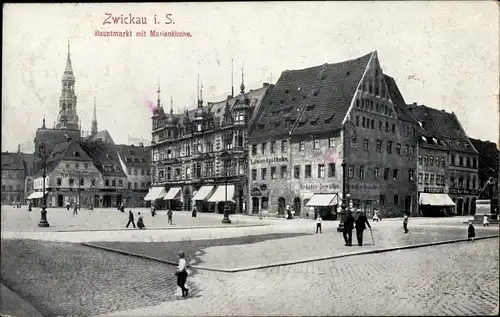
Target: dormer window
x,y
198,127
76,153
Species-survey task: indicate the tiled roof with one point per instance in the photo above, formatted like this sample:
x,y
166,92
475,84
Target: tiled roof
x,y
442,125
102,135
400,106
488,156
105,158
311,100
69,150
134,156
52,137
217,109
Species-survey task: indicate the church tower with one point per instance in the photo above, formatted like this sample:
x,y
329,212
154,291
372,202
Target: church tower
x,y
67,118
94,121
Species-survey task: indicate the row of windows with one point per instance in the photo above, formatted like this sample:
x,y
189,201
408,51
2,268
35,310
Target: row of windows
x,y
362,173
322,171
11,188
107,183
461,161
8,199
428,179
77,165
12,175
143,171
228,168
463,182
315,143
407,150
368,104
431,160
395,200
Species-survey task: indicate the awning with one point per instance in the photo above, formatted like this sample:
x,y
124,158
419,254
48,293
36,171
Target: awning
x,y
220,194
155,193
323,200
36,195
172,193
203,193
435,199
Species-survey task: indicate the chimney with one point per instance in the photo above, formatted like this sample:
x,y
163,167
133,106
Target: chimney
x,y
265,85
141,144
443,110
19,148
414,103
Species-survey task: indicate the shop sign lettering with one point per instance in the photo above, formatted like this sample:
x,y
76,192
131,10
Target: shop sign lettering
x,y
269,160
313,187
433,190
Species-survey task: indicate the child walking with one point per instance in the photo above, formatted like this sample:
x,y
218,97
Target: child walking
x,y
182,274
485,221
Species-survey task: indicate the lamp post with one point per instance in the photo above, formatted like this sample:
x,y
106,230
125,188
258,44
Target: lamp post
x,y
344,206
42,153
226,206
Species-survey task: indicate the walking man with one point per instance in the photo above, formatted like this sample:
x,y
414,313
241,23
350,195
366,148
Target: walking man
x,y
361,223
405,222
130,219
75,210
169,215
348,227
318,224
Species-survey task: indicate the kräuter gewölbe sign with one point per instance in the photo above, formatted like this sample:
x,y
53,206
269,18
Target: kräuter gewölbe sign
x,y
270,160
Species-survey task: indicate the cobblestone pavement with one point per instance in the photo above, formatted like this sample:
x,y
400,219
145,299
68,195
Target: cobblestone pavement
x,y
227,255
14,219
69,279
453,279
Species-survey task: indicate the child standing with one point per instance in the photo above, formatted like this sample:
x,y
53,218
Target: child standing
x,y
318,224
472,231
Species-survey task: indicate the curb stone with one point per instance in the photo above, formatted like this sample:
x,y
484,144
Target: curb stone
x,y
14,306
169,228
314,259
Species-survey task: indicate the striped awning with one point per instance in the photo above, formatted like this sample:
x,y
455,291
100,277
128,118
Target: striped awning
x,y
155,193
435,199
173,193
319,200
203,192
220,194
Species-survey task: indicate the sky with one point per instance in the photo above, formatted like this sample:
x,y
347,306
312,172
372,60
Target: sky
x,y
442,54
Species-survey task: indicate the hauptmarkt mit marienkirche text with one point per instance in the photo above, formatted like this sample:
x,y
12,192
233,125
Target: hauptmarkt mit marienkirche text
x,y
130,19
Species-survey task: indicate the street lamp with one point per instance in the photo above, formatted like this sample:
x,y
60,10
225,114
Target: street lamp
x,y
345,185
226,206
42,153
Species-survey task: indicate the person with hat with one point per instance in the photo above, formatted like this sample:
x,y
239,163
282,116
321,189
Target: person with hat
x,y
182,274
348,227
361,223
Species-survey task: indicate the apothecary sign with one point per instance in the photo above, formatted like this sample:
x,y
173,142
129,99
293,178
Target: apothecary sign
x,y
269,160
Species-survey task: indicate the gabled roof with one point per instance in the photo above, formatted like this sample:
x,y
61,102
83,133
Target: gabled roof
x,y
103,135
52,137
67,151
311,100
444,126
134,156
105,157
400,106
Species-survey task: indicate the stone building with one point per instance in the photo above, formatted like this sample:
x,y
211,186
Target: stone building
x,y
488,168
136,163
14,170
318,117
461,162
200,155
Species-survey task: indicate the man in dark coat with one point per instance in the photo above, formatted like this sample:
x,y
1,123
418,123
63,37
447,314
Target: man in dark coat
x,y
348,227
130,219
361,223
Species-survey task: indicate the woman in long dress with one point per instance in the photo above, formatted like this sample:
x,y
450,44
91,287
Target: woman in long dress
x,y
140,222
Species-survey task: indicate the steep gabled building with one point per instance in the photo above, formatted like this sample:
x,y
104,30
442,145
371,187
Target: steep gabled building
x,y
318,117
488,168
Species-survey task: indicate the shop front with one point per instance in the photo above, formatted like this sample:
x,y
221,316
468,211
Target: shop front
x,y
155,196
200,198
433,204
325,205
221,195
173,198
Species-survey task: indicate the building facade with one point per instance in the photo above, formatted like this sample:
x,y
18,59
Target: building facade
x,y
442,131
315,119
13,178
199,156
136,163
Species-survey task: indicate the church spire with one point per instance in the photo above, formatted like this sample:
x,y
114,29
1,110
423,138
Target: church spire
x,y
68,71
43,122
171,105
68,118
158,101
93,129
242,87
